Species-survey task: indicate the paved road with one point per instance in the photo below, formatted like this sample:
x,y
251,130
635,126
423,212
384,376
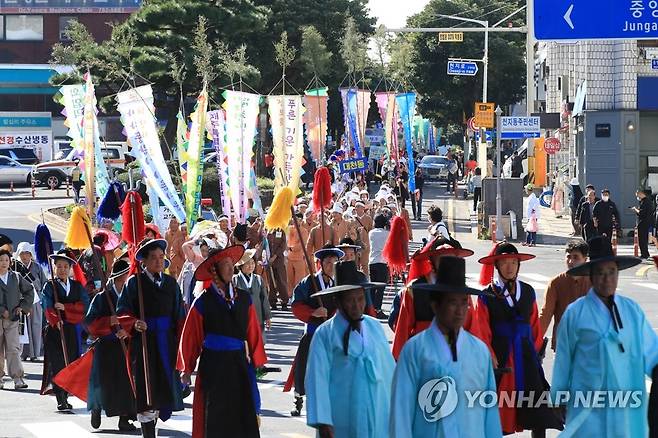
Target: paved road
x,y
26,414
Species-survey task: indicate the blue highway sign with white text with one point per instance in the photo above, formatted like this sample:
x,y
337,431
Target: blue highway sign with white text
x,y
461,68
595,19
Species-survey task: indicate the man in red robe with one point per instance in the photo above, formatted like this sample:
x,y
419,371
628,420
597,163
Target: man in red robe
x,y
222,333
415,313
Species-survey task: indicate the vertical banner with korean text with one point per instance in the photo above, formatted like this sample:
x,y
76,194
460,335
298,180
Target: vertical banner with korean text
x,y
406,106
286,115
241,117
216,126
352,119
195,157
138,117
315,119
88,131
72,98
182,137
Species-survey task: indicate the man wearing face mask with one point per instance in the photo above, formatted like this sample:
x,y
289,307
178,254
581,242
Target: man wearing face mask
x,y
223,334
644,214
606,215
509,325
350,365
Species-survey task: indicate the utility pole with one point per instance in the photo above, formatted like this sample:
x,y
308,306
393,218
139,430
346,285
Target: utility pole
x,y
499,202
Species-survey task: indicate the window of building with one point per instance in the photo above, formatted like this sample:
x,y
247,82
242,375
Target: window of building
x,y
63,25
24,27
2,27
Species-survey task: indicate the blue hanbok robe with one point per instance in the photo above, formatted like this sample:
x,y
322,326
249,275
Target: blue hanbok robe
x,y
415,407
351,393
589,358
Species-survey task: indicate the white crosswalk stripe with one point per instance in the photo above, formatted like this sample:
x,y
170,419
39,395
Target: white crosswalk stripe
x,y
647,285
57,428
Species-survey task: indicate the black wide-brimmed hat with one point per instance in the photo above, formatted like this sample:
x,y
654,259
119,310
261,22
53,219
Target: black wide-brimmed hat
x,y
348,277
5,240
62,254
119,268
147,244
328,250
234,253
600,250
505,250
347,243
450,277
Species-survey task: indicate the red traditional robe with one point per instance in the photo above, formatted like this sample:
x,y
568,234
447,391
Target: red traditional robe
x,y
225,335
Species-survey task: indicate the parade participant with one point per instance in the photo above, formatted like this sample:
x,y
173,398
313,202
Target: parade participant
x,y
164,314
239,235
605,343
377,267
151,231
444,356
313,312
349,364
6,243
26,267
278,284
222,333
175,238
16,298
253,283
509,325
223,222
296,266
564,289
109,384
437,226
340,226
89,266
320,235
415,313
195,253
70,304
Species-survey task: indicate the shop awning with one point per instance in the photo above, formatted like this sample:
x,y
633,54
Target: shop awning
x,y
29,78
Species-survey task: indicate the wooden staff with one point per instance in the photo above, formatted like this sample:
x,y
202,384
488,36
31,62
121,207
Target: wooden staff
x,y
309,266
97,265
140,299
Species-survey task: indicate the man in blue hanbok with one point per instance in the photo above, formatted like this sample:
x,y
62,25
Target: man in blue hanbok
x,y
350,365
604,344
441,370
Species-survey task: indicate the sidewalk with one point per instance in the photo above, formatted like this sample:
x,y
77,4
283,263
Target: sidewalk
x,y
553,230
25,193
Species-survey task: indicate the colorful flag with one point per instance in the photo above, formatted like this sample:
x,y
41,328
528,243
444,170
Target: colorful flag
x,y
241,117
182,137
72,98
362,108
353,121
216,126
195,157
406,105
315,119
88,132
138,117
286,117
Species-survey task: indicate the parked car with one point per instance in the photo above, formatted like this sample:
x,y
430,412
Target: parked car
x,y
54,173
22,155
434,167
13,171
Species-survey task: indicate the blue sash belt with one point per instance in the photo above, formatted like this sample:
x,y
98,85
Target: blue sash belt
x,y
311,328
515,332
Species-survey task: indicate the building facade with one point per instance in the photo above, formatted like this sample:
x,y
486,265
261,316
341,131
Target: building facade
x,y
606,93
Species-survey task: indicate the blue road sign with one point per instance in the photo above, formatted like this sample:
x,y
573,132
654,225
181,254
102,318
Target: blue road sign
x,y
654,64
517,135
595,19
460,68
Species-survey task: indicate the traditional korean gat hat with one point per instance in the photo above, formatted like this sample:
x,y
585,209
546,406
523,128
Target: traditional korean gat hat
x,y
234,253
148,244
503,250
329,250
451,278
348,277
119,268
600,250
62,255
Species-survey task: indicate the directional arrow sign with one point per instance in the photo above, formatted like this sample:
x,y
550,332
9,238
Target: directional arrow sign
x,y
459,68
595,19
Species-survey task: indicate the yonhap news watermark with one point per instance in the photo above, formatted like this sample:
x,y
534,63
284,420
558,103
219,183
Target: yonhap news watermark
x,y
438,398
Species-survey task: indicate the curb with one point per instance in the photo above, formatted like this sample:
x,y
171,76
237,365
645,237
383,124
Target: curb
x,y
30,198
53,221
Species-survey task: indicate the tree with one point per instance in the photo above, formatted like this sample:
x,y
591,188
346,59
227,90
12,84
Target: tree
x,y
446,99
315,57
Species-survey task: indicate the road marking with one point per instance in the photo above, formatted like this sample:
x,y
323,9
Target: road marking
x,y
57,428
643,271
647,285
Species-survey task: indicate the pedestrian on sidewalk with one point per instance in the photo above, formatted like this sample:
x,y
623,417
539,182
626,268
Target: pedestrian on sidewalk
x,y
476,181
16,298
586,217
417,196
574,202
644,212
532,215
350,366
76,180
606,215
605,345
564,289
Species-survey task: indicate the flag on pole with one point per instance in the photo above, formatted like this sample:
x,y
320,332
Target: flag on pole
x,y
195,157
315,119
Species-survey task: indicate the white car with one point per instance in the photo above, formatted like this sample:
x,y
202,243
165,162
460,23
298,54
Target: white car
x,y
13,171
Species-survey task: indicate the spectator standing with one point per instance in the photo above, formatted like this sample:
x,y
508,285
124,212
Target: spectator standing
x,y
644,212
417,197
477,188
606,215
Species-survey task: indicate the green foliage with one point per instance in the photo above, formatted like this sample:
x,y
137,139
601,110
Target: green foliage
x,y
315,56
446,99
284,53
354,49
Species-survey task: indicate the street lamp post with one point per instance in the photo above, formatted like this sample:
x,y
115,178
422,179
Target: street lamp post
x,y
499,202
